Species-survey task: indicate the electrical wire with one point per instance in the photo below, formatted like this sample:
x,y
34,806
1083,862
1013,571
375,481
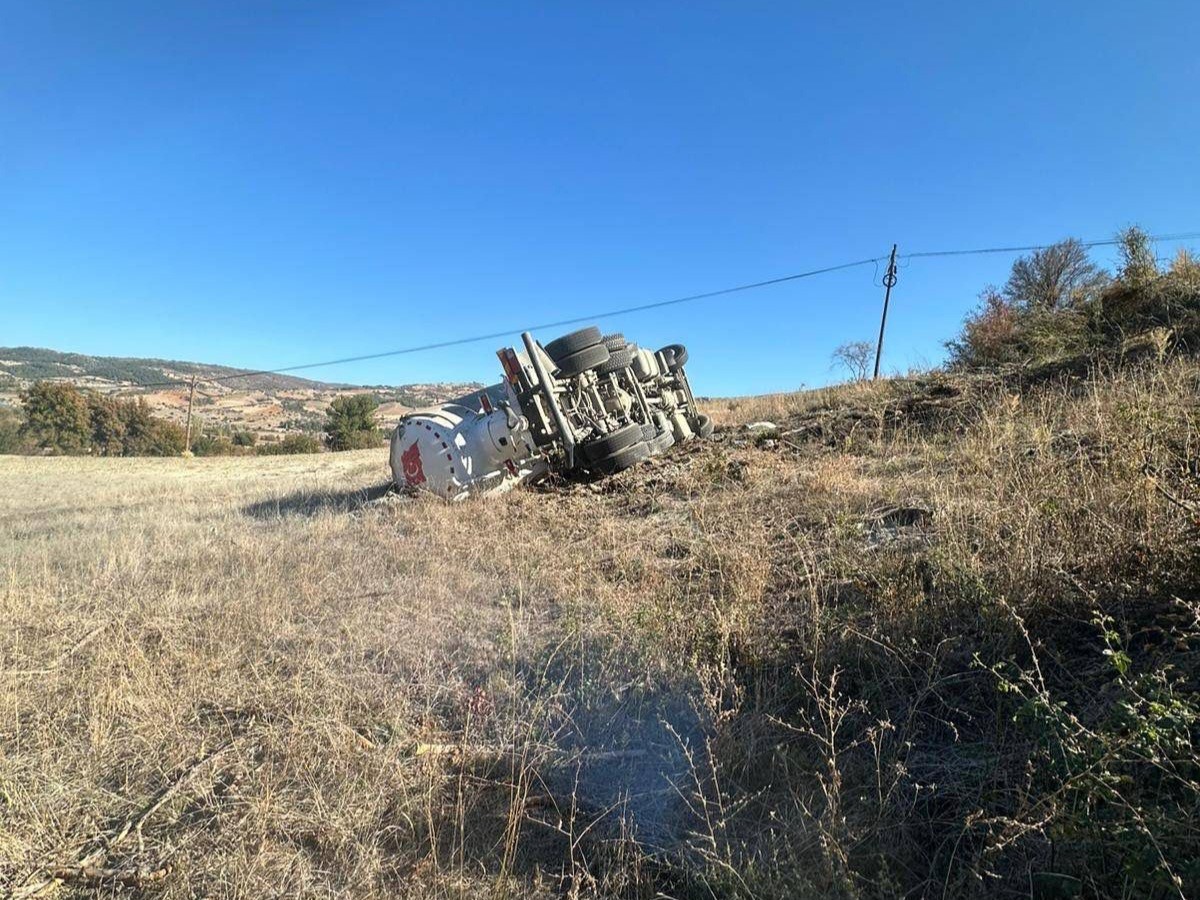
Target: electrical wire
x,y
575,320
510,331
1183,236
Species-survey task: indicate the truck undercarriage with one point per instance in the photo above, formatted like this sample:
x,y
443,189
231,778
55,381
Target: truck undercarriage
x,y
584,403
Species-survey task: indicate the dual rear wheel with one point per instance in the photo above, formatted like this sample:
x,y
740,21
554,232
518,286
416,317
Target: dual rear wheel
x,y
575,353
587,349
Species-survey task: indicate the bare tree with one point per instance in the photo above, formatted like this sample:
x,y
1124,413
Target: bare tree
x,y
1057,277
855,357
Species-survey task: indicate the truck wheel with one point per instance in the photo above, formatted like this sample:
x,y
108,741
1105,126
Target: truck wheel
x,y
572,343
675,355
614,341
622,459
704,426
588,358
613,442
662,442
617,360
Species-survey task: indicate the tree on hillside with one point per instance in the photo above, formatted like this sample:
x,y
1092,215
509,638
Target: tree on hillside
x,y
855,357
1056,277
56,417
108,429
350,423
65,419
1058,305
11,439
146,435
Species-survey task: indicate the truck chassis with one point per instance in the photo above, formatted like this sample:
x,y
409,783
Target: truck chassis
x,y
584,404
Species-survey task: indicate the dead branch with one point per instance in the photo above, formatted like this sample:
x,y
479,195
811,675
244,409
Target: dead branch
x,y
71,651
88,869
1187,506
95,876
135,823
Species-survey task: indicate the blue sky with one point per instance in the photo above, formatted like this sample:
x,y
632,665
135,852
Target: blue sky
x,y
263,184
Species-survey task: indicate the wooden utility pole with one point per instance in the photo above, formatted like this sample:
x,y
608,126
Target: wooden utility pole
x,y
187,441
888,280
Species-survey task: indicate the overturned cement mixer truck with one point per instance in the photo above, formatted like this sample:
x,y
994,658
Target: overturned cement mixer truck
x,y
583,403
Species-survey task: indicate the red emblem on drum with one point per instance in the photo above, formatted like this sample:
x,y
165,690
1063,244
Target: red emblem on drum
x,y
411,458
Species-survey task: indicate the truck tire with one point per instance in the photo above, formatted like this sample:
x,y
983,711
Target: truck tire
x,y
564,346
588,358
675,356
614,341
617,360
613,442
622,459
704,426
663,442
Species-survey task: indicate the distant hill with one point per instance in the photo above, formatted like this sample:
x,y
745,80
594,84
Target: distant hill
x,y
34,363
266,404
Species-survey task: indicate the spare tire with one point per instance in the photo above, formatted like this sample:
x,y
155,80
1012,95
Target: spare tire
x,y
588,358
622,459
617,360
675,356
572,343
613,442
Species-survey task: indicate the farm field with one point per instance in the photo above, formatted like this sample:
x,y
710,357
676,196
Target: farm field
x,y
923,638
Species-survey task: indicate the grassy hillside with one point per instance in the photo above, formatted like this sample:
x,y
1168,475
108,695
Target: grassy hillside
x,y
25,364
925,638
270,406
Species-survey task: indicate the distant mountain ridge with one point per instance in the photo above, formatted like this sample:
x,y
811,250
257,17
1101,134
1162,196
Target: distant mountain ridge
x,y
21,366
30,364
269,404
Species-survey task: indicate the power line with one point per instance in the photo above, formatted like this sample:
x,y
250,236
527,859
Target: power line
x,y
456,342
1183,236
509,331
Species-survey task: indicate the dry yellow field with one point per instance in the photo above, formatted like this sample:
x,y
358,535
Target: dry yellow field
x,y
279,639
759,667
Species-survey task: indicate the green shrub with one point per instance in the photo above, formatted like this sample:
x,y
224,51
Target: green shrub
x,y
1056,305
57,417
108,425
61,418
293,443
1120,779
351,424
221,441
146,435
212,443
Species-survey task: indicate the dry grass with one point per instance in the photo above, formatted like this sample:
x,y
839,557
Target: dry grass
x,y
738,671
